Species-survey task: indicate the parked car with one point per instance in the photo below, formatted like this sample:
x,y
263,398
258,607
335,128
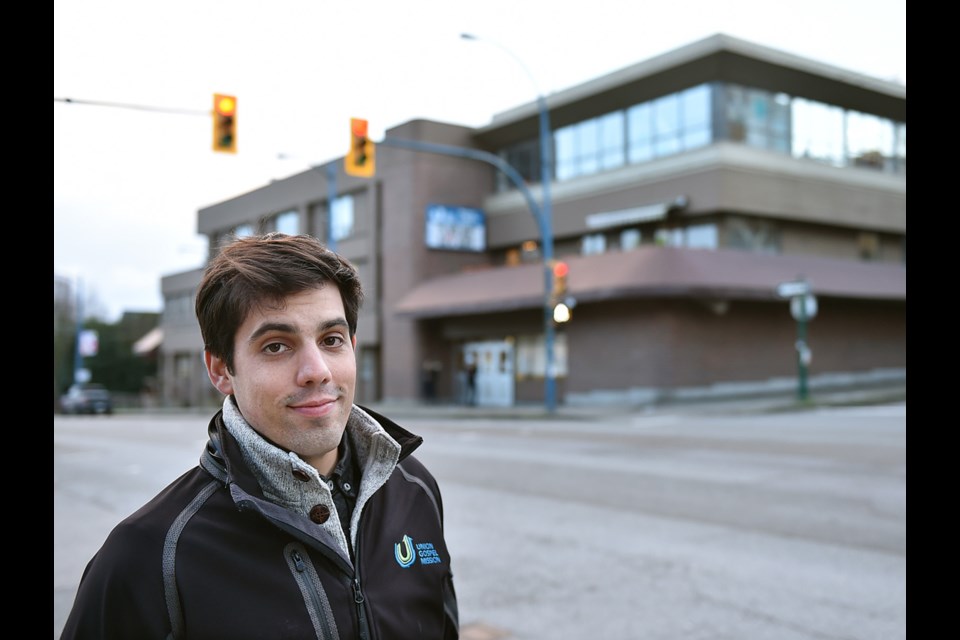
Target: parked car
x,y
89,397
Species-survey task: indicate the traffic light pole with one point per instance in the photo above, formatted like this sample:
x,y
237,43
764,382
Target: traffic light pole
x,y
546,240
540,214
803,393
546,221
78,352
331,196
473,154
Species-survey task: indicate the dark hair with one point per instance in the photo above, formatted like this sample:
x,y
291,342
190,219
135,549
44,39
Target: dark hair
x,y
264,270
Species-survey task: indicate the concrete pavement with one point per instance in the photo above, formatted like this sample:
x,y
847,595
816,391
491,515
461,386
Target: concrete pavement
x,y
888,393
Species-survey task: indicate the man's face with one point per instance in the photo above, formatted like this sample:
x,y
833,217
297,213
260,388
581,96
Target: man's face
x,y
294,374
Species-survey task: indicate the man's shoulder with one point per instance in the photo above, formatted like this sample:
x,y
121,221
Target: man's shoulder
x,y
149,524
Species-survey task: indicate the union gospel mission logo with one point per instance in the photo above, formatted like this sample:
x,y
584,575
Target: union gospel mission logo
x,y
406,552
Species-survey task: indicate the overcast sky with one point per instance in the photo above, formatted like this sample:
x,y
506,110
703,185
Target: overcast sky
x,y
128,182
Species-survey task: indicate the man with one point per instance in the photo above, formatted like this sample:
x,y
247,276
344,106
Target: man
x,y
307,516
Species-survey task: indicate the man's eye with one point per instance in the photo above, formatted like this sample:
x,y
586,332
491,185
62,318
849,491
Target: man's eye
x,y
274,347
333,341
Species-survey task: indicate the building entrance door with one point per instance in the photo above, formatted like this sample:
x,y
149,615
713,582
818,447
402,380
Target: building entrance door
x,y
493,385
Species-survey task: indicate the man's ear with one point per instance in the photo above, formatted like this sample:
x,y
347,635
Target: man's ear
x,y
217,372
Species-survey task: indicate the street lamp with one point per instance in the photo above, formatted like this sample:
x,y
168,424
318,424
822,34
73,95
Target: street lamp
x,y
546,226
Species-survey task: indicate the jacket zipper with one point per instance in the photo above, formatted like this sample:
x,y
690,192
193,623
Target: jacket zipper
x,y
312,587
361,613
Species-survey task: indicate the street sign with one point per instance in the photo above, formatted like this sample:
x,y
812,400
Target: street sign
x,y
793,288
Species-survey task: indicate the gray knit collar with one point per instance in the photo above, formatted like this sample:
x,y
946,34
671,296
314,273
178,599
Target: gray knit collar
x,y
277,470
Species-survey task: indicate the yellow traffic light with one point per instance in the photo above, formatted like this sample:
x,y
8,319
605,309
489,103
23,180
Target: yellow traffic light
x,y
224,123
360,159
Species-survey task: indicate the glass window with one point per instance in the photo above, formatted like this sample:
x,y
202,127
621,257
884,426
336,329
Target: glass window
x,y
752,234
698,236
287,222
757,119
630,239
780,123
669,237
696,108
565,153
901,146
341,217
666,124
640,132
524,157
698,116
530,359
611,132
817,131
590,146
701,236
593,243
870,140
243,230
588,143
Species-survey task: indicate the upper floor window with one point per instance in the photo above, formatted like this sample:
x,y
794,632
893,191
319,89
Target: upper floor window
x,y
630,238
593,243
178,309
590,146
525,159
287,222
670,124
341,217
708,112
697,236
758,118
871,141
244,230
817,131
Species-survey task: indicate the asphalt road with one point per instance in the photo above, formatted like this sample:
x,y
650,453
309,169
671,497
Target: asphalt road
x,y
662,526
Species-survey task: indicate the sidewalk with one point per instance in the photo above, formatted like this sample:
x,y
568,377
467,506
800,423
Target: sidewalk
x,y
734,405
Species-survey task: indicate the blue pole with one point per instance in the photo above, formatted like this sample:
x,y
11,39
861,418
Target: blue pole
x,y
331,196
78,355
546,232
546,228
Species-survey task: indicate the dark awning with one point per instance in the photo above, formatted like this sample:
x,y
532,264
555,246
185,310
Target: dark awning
x,y
655,271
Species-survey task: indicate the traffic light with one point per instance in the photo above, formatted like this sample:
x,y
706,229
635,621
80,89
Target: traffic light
x,y
360,160
224,123
561,302
560,271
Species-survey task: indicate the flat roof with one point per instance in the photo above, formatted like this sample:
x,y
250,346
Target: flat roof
x,y
719,57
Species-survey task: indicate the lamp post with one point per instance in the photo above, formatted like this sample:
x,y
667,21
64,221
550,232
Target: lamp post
x,y
546,226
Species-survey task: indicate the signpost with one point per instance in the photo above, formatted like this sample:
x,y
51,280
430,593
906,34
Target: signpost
x,y
803,308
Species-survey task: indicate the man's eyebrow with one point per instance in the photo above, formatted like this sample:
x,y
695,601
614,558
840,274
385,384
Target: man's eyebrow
x,y
283,327
267,327
334,323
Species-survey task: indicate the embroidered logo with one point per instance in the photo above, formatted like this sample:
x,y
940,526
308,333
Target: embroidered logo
x,y
406,552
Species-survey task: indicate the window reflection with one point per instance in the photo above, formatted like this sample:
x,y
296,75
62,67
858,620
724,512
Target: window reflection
x,y
713,112
341,217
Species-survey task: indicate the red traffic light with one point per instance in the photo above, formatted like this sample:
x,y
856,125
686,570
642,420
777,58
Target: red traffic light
x,y
358,126
360,160
560,269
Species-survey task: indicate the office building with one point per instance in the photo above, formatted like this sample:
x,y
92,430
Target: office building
x,y
686,191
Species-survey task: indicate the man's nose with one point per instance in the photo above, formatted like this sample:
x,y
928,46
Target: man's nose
x,y
313,367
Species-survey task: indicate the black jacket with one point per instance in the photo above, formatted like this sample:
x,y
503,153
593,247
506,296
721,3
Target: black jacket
x,y
210,557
